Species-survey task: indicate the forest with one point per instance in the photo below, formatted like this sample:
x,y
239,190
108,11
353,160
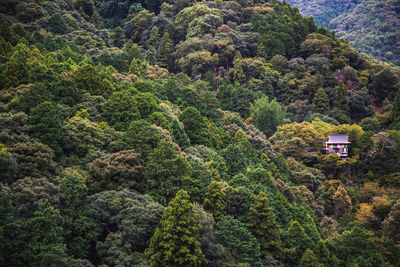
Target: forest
x,y
192,133
371,26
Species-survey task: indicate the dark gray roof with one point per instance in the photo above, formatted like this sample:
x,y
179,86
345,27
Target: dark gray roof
x,y
338,139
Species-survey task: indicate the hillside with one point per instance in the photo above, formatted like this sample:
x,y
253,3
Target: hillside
x,y
370,26
187,133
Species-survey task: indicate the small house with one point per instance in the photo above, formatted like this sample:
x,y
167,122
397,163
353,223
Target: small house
x,y
338,144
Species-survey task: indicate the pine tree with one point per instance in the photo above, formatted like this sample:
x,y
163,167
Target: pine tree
x,y
297,231
215,200
262,224
166,48
153,39
321,101
309,259
176,241
322,253
238,74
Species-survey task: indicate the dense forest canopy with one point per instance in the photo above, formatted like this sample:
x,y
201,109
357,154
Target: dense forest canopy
x,y
191,133
371,26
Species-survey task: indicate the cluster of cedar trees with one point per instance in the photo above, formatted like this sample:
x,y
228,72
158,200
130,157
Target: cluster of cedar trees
x,y
183,134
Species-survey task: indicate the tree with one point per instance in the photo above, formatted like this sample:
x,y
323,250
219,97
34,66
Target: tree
x,y
137,67
395,113
384,84
118,37
238,74
297,231
127,220
46,119
322,253
153,39
177,242
13,249
16,70
166,172
164,56
195,127
120,109
87,79
213,250
45,241
215,200
8,166
309,259
267,115
78,228
391,225
34,159
122,170
179,135
146,104
239,241
262,224
321,101
341,98
57,24
142,137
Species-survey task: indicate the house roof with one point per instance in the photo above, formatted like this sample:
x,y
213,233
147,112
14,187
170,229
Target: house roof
x,y
338,139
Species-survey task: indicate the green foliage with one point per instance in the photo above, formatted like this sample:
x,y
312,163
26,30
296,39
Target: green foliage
x,y
238,75
195,127
78,228
309,259
166,172
238,240
88,79
46,120
120,109
212,118
267,115
179,135
122,170
321,101
164,56
141,137
176,241
45,241
262,224
34,159
215,200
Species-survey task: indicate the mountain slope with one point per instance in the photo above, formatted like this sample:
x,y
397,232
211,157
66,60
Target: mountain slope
x,y
371,26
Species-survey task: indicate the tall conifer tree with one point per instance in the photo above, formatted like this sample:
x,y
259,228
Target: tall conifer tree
x,y
261,222
176,241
